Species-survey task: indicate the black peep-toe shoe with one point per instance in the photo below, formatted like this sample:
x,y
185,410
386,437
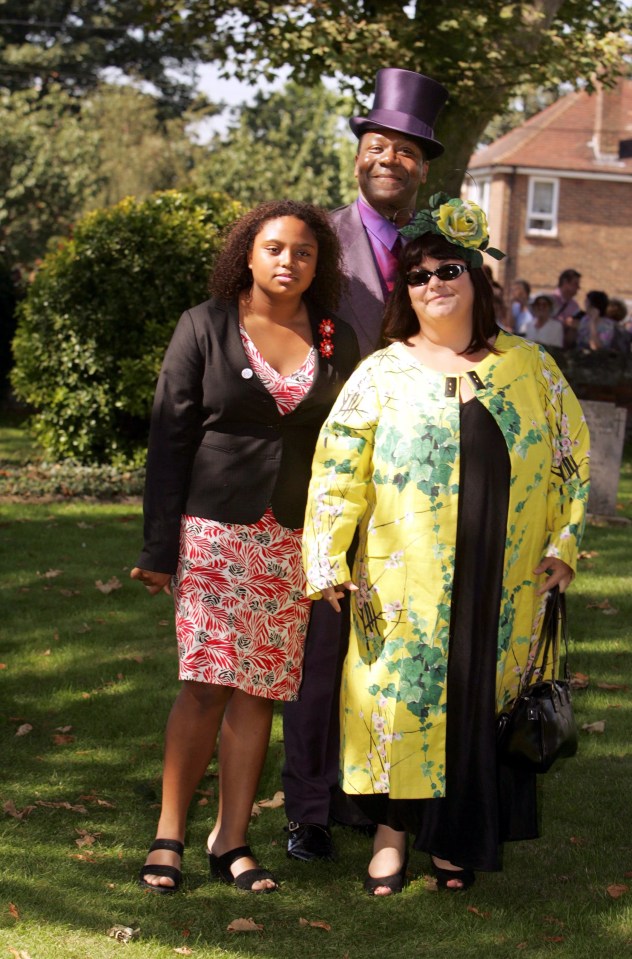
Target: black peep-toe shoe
x,y
153,869
443,876
395,883
220,869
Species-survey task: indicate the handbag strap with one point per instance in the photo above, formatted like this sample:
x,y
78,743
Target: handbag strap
x,y
554,622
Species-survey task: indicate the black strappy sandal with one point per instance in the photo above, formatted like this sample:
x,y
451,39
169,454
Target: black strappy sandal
x,y
220,869
153,869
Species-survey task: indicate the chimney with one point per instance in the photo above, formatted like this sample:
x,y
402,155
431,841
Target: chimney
x,y
609,121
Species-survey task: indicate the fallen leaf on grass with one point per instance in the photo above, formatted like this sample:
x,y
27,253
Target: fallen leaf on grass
x,y
63,729
597,727
244,925
554,938
11,810
604,606
50,574
84,628
579,680
62,804
86,838
184,951
315,924
477,912
616,890
578,841
163,622
123,933
203,801
109,587
62,739
45,653
19,954
83,525
70,592
82,857
611,686
24,729
255,811
3,665
13,910
99,802
277,800
588,554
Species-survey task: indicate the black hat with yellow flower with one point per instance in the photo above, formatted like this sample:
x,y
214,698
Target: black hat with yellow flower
x,y
460,222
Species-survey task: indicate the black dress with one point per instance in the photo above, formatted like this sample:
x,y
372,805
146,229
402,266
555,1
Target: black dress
x,y
485,803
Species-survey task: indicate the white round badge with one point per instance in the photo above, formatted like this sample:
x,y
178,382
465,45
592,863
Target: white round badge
x,y
247,374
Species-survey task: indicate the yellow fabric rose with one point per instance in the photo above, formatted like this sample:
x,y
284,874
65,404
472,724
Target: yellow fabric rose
x,y
463,223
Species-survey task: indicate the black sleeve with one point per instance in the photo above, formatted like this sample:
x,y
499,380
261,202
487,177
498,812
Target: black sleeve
x,y
174,436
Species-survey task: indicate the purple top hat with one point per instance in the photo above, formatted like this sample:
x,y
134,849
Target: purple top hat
x,y
407,102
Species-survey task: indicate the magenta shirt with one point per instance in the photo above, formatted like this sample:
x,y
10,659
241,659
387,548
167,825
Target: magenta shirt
x,y
383,236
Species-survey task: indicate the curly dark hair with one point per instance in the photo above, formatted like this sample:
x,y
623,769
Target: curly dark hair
x,y
231,274
400,320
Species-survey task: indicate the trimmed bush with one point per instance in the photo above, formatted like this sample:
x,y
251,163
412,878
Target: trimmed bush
x,y
97,319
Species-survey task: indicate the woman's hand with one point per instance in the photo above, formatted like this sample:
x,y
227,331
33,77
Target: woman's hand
x,y
560,574
153,582
333,593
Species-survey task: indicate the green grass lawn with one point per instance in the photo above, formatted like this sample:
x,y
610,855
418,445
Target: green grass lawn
x,y
94,674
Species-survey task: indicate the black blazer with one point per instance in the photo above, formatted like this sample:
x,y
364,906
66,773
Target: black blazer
x,y
218,446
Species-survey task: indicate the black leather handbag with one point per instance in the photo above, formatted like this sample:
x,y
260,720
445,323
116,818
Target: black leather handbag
x,y
538,726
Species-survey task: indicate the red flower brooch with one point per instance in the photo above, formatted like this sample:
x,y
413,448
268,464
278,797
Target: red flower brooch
x,y
326,346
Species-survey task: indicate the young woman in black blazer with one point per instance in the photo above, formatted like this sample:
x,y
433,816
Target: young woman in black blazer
x,y
246,383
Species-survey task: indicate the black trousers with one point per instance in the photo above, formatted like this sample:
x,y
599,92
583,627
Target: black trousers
x,y
311,726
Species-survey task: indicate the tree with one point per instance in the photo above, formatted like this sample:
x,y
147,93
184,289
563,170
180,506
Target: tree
x,y
139,152
287,144
482,50
61,156
71,42
49,171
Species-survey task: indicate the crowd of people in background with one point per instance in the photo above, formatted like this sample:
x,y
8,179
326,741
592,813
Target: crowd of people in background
x,y
557,320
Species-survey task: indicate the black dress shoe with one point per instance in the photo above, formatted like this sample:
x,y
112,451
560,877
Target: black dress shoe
x,y
308,840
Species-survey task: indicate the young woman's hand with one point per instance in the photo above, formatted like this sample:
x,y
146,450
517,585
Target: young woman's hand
x,y
560,574
153,582
333,593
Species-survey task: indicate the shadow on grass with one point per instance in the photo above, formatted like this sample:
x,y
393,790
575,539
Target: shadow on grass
x,y
105,665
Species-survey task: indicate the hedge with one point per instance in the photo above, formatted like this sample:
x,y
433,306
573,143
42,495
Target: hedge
x,y
97,318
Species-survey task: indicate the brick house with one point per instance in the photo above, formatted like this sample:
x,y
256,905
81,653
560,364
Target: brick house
x,y
558,193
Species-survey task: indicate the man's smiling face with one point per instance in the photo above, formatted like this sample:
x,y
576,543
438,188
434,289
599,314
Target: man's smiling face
x,y
390,167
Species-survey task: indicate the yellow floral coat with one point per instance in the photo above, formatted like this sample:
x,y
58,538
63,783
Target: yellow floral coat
x,y
388,460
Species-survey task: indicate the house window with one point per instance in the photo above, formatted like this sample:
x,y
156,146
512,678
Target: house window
x,y
478,192
542,206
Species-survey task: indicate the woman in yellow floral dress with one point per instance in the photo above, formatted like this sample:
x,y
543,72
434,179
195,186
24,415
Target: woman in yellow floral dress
x,y
461,454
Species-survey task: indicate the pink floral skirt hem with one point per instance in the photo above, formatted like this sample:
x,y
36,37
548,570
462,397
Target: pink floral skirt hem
x,y
241,611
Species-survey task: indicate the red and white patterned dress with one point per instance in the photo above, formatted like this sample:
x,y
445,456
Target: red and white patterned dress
x,y
241,611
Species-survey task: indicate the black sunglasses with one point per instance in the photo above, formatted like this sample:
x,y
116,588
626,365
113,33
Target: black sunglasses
x,y
447,271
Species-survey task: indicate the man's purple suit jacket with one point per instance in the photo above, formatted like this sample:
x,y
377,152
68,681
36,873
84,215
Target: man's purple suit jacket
x,y
362,306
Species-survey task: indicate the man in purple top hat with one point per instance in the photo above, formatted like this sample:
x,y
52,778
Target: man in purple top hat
x,y
395,144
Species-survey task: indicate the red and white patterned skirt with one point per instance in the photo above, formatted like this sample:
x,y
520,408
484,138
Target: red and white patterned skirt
x,y
241,611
